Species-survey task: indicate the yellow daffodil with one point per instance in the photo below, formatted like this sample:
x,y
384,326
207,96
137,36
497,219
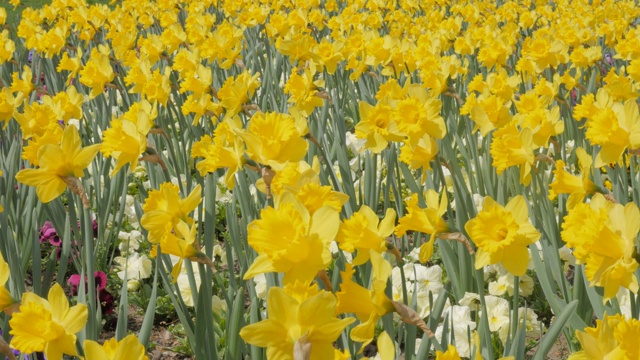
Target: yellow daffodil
x,y
609,264
386,347
22,84
8,47
613,337
224,150
450,354
368,304
200,83
418,114
428,220
8,104
487,111
128,348
303,182
274,139
180,243
5,297
513,147
73,65
48,326
238,91
305,319
291,241
58,164
303,90
377,126
98,71
613,125
364,231
164,209
503,235
126,138
577,187
290,177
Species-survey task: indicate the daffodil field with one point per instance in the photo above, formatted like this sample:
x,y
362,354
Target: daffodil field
x,y
312,180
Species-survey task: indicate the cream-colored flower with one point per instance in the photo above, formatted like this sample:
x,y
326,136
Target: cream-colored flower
x,y
138,267
497,312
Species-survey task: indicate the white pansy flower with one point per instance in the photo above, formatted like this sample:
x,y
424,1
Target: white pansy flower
x,y
566,255
533,326
460,323
417,343
333,247
569,145
185,286
413,256
140,171
499,287
133,285
478,201
429,279
130,211
624,301
218,251
129,241
472,300
491,272
261,286
526,285
138,267
218,305
497,312
74,122
355,144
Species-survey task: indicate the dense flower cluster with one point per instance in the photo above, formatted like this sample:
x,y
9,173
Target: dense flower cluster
x,y
369,164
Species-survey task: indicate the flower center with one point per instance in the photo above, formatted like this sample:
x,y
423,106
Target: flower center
x,y
502,233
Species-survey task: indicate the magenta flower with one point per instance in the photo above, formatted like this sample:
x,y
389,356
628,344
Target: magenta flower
x,y
100,280
49,233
